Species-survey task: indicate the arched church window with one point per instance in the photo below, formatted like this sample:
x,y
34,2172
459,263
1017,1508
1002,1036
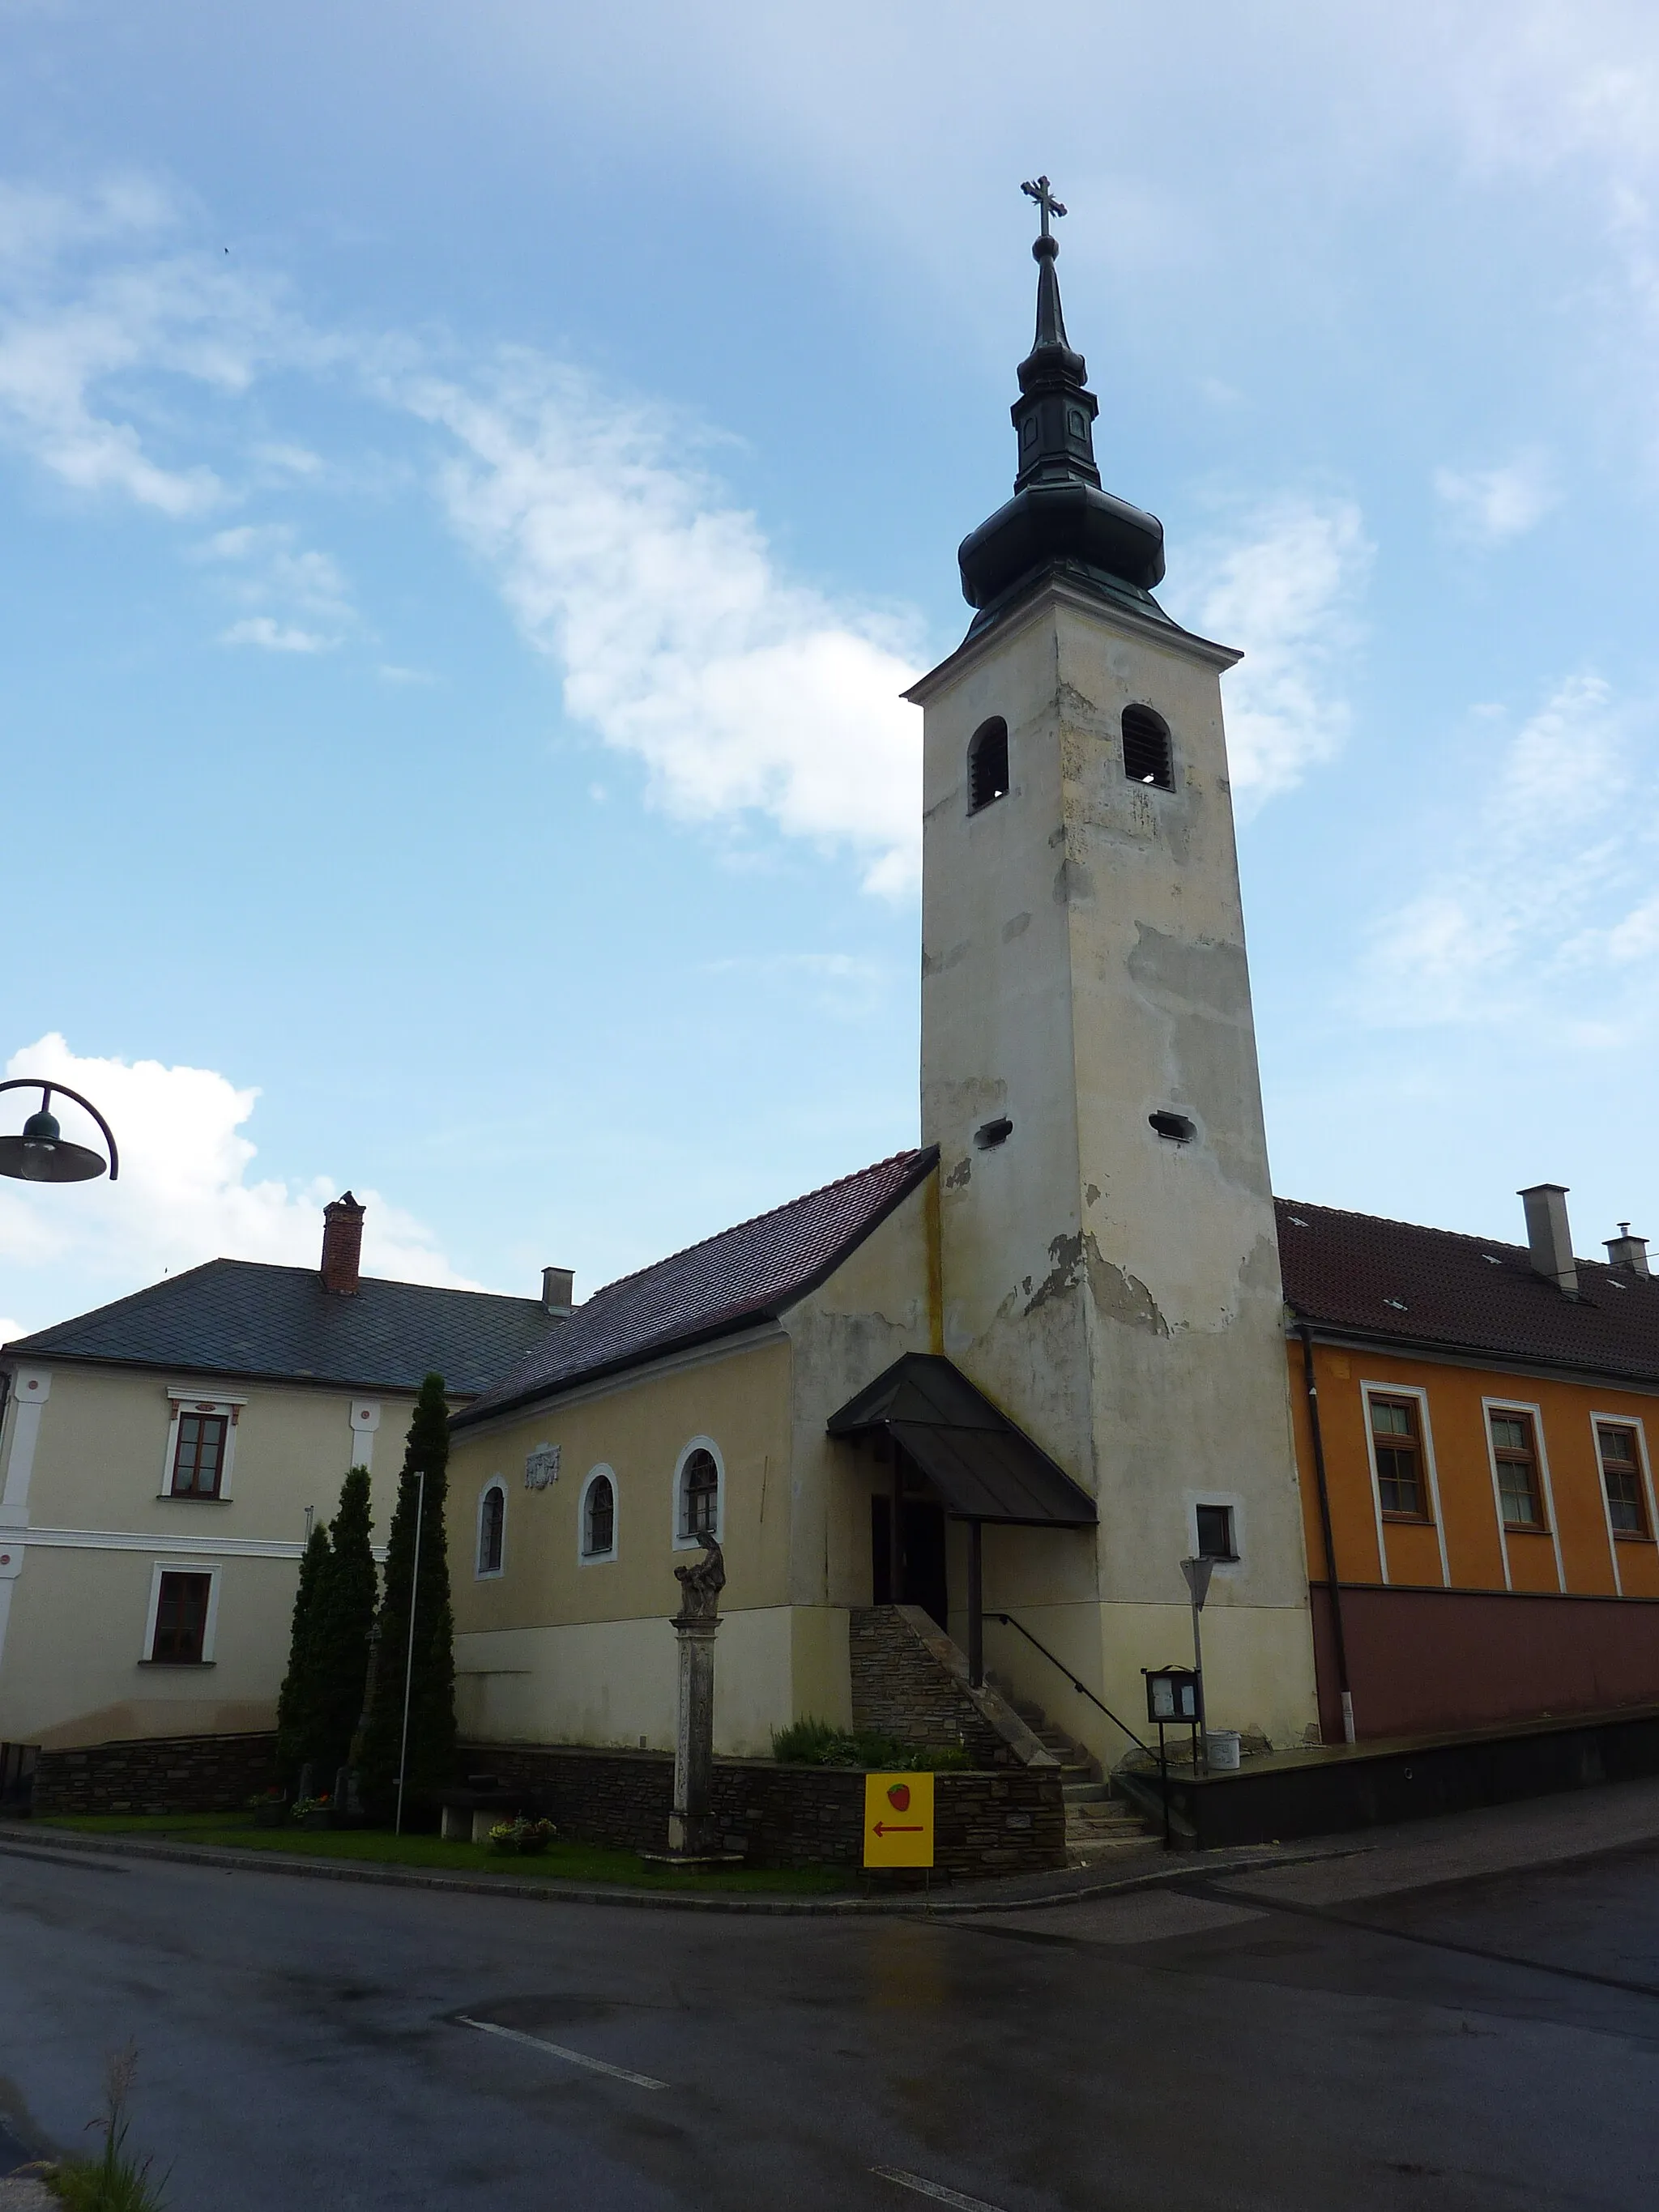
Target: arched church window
x,y
699,1495
492,1527
599,1516
988,764
1147,753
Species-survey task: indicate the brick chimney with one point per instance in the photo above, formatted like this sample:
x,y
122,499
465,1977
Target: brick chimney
x,y
1549,1237
343,1245
558,1292
1625,1250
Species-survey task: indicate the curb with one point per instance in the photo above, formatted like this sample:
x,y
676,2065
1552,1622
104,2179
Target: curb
x,y
58,1841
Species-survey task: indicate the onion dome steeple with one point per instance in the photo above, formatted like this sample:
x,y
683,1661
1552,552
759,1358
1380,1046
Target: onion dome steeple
x,y
1059,517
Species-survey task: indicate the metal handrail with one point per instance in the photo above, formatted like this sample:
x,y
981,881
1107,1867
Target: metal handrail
x,y
1008,1622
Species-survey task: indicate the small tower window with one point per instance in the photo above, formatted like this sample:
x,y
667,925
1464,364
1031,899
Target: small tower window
x,y
1147,757
1175,1129
988,764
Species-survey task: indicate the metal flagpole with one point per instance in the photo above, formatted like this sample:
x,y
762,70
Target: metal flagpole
x,y
408,1667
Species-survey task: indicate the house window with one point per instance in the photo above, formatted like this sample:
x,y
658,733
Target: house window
x,y
1147,757
1215,1532
181,1613
600,1518
700,1495
1514,1450
199,1457
988,764
1399,1453
1621,1471
492,1527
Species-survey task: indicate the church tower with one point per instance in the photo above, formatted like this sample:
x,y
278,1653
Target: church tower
x,y
1108,1258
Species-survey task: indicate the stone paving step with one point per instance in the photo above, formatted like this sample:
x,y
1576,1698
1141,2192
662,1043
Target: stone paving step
x,y
1084,1793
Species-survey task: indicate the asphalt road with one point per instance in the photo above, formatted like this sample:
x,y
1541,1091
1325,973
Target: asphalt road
x,y
1389,2030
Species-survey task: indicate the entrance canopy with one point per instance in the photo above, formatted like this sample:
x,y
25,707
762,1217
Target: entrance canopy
x,y
982,1467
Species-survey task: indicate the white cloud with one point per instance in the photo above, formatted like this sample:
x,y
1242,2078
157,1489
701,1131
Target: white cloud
x,y
184,1193
1283,587
1489,506
681,643
91,292
273,636
1543,908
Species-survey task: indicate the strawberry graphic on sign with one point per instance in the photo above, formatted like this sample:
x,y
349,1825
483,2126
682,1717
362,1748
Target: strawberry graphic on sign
x,y
898,1797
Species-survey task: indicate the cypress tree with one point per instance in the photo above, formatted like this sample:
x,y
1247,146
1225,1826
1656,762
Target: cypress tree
x,y
296,1701
432,1682
342,1615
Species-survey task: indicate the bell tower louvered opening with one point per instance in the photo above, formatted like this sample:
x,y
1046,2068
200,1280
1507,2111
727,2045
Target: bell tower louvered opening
x,y
1146,756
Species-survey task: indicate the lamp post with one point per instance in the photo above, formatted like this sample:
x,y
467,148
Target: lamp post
x,y
42,1153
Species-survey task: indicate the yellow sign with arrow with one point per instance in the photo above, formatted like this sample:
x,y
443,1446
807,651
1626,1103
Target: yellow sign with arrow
x,y
898,1820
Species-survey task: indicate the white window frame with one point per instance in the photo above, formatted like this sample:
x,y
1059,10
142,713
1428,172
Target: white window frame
x,y
1488,1408
1235,1504
694,1445
210,1626
1615,1539
584,1556
198,1401
1425,1438
480,1572
365,1416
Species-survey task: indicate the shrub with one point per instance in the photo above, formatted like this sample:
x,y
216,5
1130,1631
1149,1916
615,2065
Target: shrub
x,y
522,1835
820,1743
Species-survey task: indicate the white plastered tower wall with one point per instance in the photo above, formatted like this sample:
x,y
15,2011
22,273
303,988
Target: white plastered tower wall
x,y
1117,1293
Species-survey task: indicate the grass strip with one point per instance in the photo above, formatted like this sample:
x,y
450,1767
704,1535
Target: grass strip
x,y
562,1862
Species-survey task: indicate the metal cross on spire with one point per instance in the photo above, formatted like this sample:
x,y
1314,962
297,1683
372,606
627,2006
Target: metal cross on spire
x,y
1043,193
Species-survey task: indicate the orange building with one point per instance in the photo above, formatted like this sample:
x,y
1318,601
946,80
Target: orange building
x,y
1474,1429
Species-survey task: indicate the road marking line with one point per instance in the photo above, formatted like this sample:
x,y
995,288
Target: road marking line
x,y
936,2190
575,2057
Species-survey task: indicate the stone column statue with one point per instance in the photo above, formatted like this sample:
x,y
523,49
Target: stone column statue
x,y
691,1832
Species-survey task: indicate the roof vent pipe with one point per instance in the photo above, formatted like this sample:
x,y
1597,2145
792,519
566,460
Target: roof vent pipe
x,y
558,1291
1625,1250
1549,1237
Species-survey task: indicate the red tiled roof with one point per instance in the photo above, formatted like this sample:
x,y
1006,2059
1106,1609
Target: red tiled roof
x,y
744,1275
1392,1281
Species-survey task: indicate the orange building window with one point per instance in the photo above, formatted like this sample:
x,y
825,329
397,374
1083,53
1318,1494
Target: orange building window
x,y
1516,1455
1399,1452
1621,1471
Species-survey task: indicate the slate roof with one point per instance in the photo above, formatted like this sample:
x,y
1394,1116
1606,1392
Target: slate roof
x,y
982,1466
1392,1281
242,1318
746,1274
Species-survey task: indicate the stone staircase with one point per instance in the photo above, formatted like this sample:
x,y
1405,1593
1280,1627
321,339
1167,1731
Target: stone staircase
x,y
1098,1825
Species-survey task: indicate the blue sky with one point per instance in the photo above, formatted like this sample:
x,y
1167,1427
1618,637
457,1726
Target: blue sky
x,y
475,481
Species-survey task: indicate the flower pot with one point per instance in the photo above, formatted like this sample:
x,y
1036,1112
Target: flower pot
x,y
323,1819
270,1816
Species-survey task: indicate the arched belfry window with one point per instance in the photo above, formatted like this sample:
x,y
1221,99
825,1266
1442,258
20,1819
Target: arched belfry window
x,y
1147,755
492,1527
988,764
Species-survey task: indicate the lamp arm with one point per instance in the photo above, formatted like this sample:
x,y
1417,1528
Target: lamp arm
x,y
38,1083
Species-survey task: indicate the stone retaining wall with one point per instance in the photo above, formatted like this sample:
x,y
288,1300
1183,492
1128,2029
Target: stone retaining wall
x,y
155,1774
1006,1821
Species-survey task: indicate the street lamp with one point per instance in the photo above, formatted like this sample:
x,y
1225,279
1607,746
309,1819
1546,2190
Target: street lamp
x,y
42,1153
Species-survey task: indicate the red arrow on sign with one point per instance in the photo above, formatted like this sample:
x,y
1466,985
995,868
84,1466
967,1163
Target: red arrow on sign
x,y
896,1828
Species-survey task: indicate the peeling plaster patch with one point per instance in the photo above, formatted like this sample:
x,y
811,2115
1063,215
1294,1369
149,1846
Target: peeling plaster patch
x,y
1065,1252
1122,1296
960,1174
1091,1193
930,966
1261,1268
1205,977
1074,882
1016,928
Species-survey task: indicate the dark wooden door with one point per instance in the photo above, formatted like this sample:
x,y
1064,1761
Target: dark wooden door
x,y
924,1578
